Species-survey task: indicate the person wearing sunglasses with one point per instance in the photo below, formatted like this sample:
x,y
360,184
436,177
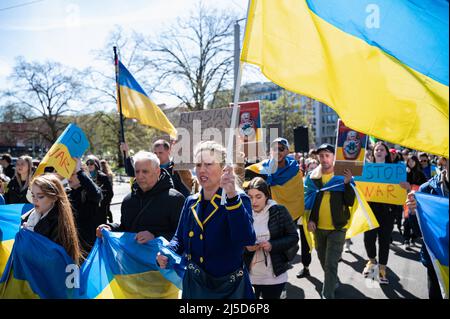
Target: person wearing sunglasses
x,y
425,163
102,181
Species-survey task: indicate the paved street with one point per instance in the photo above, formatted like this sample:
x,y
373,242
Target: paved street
x,y
406,274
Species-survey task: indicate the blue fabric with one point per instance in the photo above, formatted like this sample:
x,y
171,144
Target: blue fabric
x,y
335,184
119,254
433,215
282,174
40,262
75,140
427,51
126,79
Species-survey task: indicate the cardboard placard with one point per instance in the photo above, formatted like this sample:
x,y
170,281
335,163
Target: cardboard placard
x,y
195,127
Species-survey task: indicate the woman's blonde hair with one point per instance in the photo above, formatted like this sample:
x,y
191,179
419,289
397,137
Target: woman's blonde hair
x,y
219,152
51,186
105,168
29,162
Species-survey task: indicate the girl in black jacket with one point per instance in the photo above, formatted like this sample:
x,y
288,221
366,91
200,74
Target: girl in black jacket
x,y
17,189
52,215
276,242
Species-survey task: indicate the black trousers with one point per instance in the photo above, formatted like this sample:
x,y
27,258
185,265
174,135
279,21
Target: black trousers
x,y
268,291
383,233
306,255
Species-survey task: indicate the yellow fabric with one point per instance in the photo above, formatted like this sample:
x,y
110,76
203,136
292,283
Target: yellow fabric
x,y
5,252
291,196
443,274
325,220
149,285
138,106
16,289
59,157
371,91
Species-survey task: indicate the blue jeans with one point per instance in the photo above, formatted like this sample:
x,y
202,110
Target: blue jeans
x,y
330,244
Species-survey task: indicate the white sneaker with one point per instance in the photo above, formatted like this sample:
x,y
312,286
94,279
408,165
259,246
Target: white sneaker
x,y
283,294
406,246
369,269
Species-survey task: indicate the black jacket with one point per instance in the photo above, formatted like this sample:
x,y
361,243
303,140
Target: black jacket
x,y
15,195
105,185
161,215
10,171
283,235
339,204
177,182
85,201
48,226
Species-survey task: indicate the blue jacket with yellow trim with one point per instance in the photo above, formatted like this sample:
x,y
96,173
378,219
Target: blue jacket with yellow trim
x,y
214,236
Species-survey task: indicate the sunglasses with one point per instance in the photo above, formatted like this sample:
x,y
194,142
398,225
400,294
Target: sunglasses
x,y
90,163
424,161
280,149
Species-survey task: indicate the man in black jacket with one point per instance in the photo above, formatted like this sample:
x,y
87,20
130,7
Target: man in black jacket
x,y
161,148
329,216
153,208
85,197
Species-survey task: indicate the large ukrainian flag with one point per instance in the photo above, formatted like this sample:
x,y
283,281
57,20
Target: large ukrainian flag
x,y
136,104
120,268
10,220
433,215
382,65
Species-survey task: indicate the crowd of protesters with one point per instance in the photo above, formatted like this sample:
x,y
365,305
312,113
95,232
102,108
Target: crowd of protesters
x,y
252,237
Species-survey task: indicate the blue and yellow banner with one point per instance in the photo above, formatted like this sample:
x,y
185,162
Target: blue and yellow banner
x,y
120,268
286,183
361,219
117,268
380,183
10,220
72,143
37,268
433,215
358,57
136,104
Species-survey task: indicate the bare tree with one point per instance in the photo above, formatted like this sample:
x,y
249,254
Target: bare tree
x,y
193,58
43,92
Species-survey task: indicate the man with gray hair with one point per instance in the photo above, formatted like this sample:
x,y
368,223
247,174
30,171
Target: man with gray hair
x,y
153,207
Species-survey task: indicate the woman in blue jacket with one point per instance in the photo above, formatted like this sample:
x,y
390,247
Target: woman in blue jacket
x,y
210,236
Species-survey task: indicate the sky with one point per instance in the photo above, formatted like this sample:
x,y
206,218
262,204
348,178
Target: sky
x,y
68,31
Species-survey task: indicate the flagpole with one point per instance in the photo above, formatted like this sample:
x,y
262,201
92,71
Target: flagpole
x,y
234,115
122,131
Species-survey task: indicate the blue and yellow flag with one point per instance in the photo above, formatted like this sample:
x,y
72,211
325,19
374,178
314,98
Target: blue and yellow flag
x,y
72,143
136,104
433,215
361,219
37,268
10,220
286,184
120,268
358,57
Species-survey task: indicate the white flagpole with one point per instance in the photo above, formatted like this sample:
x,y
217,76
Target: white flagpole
x,y
234,115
